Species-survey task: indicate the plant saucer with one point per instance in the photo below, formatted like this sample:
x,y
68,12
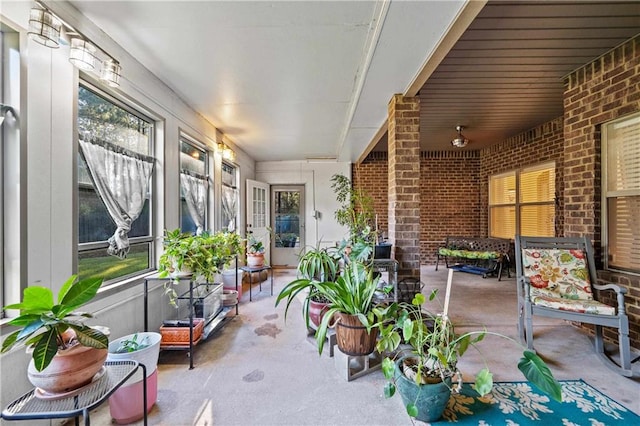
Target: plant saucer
x,y
52,396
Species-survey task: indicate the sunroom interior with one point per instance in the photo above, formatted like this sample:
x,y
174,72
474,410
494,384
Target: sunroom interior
x,y
542,99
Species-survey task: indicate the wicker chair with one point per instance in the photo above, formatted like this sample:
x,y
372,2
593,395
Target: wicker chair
x,y
556,278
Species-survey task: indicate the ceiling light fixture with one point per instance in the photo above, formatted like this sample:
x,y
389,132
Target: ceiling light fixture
x,y
44,28
460,141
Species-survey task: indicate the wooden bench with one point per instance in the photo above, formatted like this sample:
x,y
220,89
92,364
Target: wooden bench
x,y
476,255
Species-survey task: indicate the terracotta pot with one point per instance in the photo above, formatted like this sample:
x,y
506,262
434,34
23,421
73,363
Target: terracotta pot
x,y
352,337
255,260
316,311
70,369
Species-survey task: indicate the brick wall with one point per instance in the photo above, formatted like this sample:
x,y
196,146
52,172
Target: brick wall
x,y
538,145
601,91
404,183
450,198
371,175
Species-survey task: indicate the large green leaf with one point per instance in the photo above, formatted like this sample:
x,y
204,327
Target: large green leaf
x,y
30,328
407,329
91,337
412,410
537,372
80,293
45,350
389,390
35,300
484,382
9,341
388,368
65,287
23,320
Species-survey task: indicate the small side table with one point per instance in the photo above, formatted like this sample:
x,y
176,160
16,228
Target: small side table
x,y
251,269
29,407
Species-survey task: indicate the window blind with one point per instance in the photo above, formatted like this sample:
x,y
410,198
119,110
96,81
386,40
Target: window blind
x,y
622,193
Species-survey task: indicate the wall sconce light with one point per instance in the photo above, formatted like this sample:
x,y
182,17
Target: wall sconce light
x,y
44,28
111,71
460,141
226,152
82,54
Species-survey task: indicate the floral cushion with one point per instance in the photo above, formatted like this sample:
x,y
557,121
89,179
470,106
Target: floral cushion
x,y
469,254
560,279
574,305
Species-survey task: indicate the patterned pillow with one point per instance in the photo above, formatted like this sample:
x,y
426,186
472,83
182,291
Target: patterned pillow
x,y
469,254
557,273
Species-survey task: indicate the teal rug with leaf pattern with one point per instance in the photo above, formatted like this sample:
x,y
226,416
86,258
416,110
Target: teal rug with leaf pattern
x,y
521,403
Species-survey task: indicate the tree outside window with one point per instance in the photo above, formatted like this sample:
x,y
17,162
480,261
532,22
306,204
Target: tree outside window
x,y
104,118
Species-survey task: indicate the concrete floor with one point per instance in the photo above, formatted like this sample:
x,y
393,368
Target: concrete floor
x,y
257,370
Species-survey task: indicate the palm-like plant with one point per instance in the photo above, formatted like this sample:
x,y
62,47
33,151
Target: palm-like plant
x,y
45,323
351,293
315,265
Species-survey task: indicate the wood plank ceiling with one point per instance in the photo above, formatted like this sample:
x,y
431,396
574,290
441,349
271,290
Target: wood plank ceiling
x,y
505,74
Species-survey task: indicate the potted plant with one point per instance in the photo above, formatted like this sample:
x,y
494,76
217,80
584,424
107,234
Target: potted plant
x,y
356,213
351,300
125,405
255,252
315,265
427,349
66,353
202,256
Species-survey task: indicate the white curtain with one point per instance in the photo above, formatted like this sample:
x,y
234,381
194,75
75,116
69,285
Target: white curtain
x,y
229,198
121,179
194,188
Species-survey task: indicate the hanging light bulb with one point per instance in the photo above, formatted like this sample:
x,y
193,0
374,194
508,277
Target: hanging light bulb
x,y
44,28
82,54
111,71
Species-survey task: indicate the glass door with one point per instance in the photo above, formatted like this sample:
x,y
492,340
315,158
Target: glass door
x,y
288,224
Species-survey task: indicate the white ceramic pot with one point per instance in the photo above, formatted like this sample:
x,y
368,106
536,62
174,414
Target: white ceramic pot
x,y
147,356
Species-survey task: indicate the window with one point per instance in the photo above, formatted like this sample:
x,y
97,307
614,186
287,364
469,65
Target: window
x,y
523,202
194,186
621,193
112,123
229,197
12,179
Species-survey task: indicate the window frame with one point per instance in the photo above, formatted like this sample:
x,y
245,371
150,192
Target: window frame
x,y
235,187
13,171
196,144
137,110
606,195
517,204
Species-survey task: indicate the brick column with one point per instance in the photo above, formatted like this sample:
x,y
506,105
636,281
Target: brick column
x,y
404,183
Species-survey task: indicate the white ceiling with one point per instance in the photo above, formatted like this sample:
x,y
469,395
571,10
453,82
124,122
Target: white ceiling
x,y
283,80
290,80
